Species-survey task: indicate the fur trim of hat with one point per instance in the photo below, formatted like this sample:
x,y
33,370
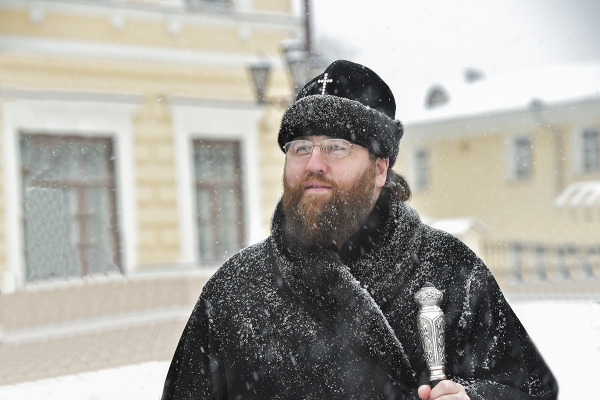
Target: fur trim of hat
x,y
347,101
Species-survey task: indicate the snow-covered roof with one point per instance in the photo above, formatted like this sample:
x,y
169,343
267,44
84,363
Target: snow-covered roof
x,y
459,226
581,194
515,91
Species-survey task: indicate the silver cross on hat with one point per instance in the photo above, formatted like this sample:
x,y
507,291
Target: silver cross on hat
x,y
324,81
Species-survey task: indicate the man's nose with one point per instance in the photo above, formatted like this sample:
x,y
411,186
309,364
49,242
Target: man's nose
x,y
317,163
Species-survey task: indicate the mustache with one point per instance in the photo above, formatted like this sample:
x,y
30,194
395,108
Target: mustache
x,y
312,177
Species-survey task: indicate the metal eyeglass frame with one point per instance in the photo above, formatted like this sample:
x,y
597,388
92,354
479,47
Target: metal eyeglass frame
x,y
324,150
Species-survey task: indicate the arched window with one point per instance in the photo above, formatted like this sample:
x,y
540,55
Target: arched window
x,y
436,96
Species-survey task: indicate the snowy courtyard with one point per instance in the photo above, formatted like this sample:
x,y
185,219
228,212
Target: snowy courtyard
x,y
566,333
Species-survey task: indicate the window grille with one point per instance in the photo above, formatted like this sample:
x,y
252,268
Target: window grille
x,y
69,206
219,205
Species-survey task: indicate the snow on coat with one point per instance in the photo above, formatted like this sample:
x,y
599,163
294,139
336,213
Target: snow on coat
x,y
282,321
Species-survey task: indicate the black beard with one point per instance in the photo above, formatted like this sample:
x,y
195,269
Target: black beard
x,y
322,222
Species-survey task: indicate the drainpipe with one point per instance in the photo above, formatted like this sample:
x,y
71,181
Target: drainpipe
x,y
307,27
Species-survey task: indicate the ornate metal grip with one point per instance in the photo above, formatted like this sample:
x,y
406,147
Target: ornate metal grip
x,y
431,324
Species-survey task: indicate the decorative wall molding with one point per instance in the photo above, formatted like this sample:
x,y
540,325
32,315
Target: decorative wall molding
x,y
208,14
86,118
202,121
110,51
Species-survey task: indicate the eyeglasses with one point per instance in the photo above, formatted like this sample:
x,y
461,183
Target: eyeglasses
x,y
335,148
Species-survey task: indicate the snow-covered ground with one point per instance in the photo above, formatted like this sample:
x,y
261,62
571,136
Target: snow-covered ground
x,y
133,382
566,333
568,336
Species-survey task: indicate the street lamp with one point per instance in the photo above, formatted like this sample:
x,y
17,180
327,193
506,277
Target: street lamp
x,y
260,71
295,59
302,63
302,67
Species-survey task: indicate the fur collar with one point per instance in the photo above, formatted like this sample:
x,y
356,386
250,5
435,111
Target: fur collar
x,y
347,295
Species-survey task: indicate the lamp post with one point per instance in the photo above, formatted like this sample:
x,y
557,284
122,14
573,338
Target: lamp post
x,y
299,58
295,58
307,31
301,65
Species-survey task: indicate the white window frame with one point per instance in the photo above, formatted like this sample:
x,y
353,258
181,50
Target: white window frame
x,y
577,143
195,119
235,185
420,178
66,117
511,157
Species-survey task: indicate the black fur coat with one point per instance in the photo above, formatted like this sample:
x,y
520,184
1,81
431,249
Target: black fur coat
x,y
279,321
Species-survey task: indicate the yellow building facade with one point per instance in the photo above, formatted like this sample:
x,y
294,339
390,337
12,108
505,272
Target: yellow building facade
x,y
514,165
152,78
135,158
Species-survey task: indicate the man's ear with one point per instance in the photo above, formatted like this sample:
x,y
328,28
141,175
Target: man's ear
x,y
381,167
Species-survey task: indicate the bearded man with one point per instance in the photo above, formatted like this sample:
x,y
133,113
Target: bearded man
x,y
323,308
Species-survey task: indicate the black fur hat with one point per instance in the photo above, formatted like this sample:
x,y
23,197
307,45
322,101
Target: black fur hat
x,y
348,101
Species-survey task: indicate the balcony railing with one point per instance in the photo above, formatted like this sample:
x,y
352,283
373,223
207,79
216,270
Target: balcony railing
x,y
563,269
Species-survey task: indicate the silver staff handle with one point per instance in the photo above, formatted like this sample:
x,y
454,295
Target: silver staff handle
x,y
431,325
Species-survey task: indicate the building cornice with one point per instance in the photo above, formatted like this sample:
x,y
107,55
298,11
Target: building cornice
x,y
189,15
120,52
9,92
